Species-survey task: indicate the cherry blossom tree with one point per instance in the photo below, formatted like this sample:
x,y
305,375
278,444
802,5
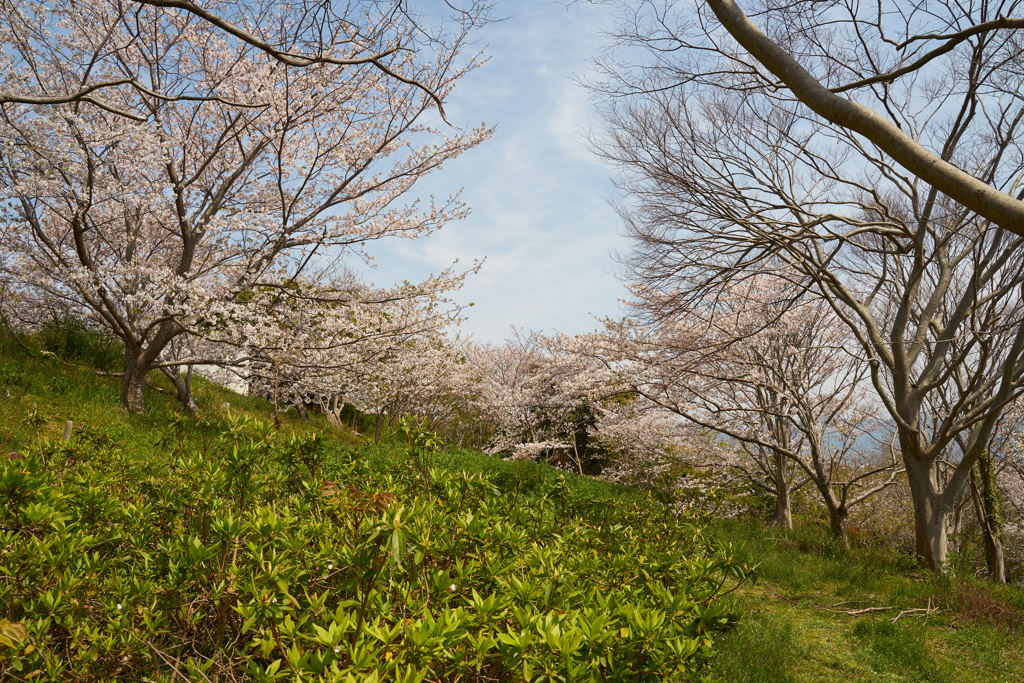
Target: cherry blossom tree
x,y
538,394
365,45
657,450
420,372
377,349
430,377
221,170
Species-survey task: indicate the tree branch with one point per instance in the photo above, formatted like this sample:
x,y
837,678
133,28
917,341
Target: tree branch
x,y
952,40
295,59
983,199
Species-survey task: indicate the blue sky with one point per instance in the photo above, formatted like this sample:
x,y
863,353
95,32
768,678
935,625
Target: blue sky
x,y
539,198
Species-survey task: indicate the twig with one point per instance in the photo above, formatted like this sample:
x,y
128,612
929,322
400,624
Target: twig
x,y
864,610
169,662
923,611
784,597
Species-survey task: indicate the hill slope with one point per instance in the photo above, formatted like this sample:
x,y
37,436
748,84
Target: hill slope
x,y
170,548
820,613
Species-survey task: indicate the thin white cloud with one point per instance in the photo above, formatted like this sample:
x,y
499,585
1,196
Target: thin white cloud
x,y
538,196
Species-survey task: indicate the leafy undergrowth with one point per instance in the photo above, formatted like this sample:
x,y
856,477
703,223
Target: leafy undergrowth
x,y
820,613
167,548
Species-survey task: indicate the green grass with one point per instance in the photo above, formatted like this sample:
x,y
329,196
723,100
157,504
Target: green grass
x,y
41,387
797,625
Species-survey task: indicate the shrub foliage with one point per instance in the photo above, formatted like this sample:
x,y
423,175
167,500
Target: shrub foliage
x,y
252,555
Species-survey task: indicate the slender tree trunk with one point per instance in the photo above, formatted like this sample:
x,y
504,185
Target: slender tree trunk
x,y
277,408
139,358
576,455
930,542
838,522
986,501
783,517
182,388
190,397
133,384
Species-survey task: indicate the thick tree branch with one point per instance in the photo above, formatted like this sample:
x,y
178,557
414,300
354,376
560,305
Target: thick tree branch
x,y
983,199
81,95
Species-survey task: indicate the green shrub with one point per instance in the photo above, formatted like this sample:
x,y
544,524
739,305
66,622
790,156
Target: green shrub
x,y
256,557
10,376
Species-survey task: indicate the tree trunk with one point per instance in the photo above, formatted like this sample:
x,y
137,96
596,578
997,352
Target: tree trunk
x,y
182,388
994,557
576,455
838,522
930,543
133,384
986,501
783,517
277,407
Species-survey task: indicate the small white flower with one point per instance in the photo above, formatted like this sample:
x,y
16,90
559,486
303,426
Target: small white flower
x,y
330,566
118,605
452,588
337,649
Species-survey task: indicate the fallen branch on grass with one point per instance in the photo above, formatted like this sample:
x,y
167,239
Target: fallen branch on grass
x,y
919,611
784,597
863,610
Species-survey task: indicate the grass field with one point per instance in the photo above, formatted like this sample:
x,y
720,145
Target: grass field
x,y
815,615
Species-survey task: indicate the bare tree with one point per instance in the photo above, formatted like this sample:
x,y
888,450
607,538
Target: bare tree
x,y
922,27
729,174
853,64
778,374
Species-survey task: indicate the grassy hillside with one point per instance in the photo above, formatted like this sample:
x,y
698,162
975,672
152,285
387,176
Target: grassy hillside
x,y
819,613
163,547
166,547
